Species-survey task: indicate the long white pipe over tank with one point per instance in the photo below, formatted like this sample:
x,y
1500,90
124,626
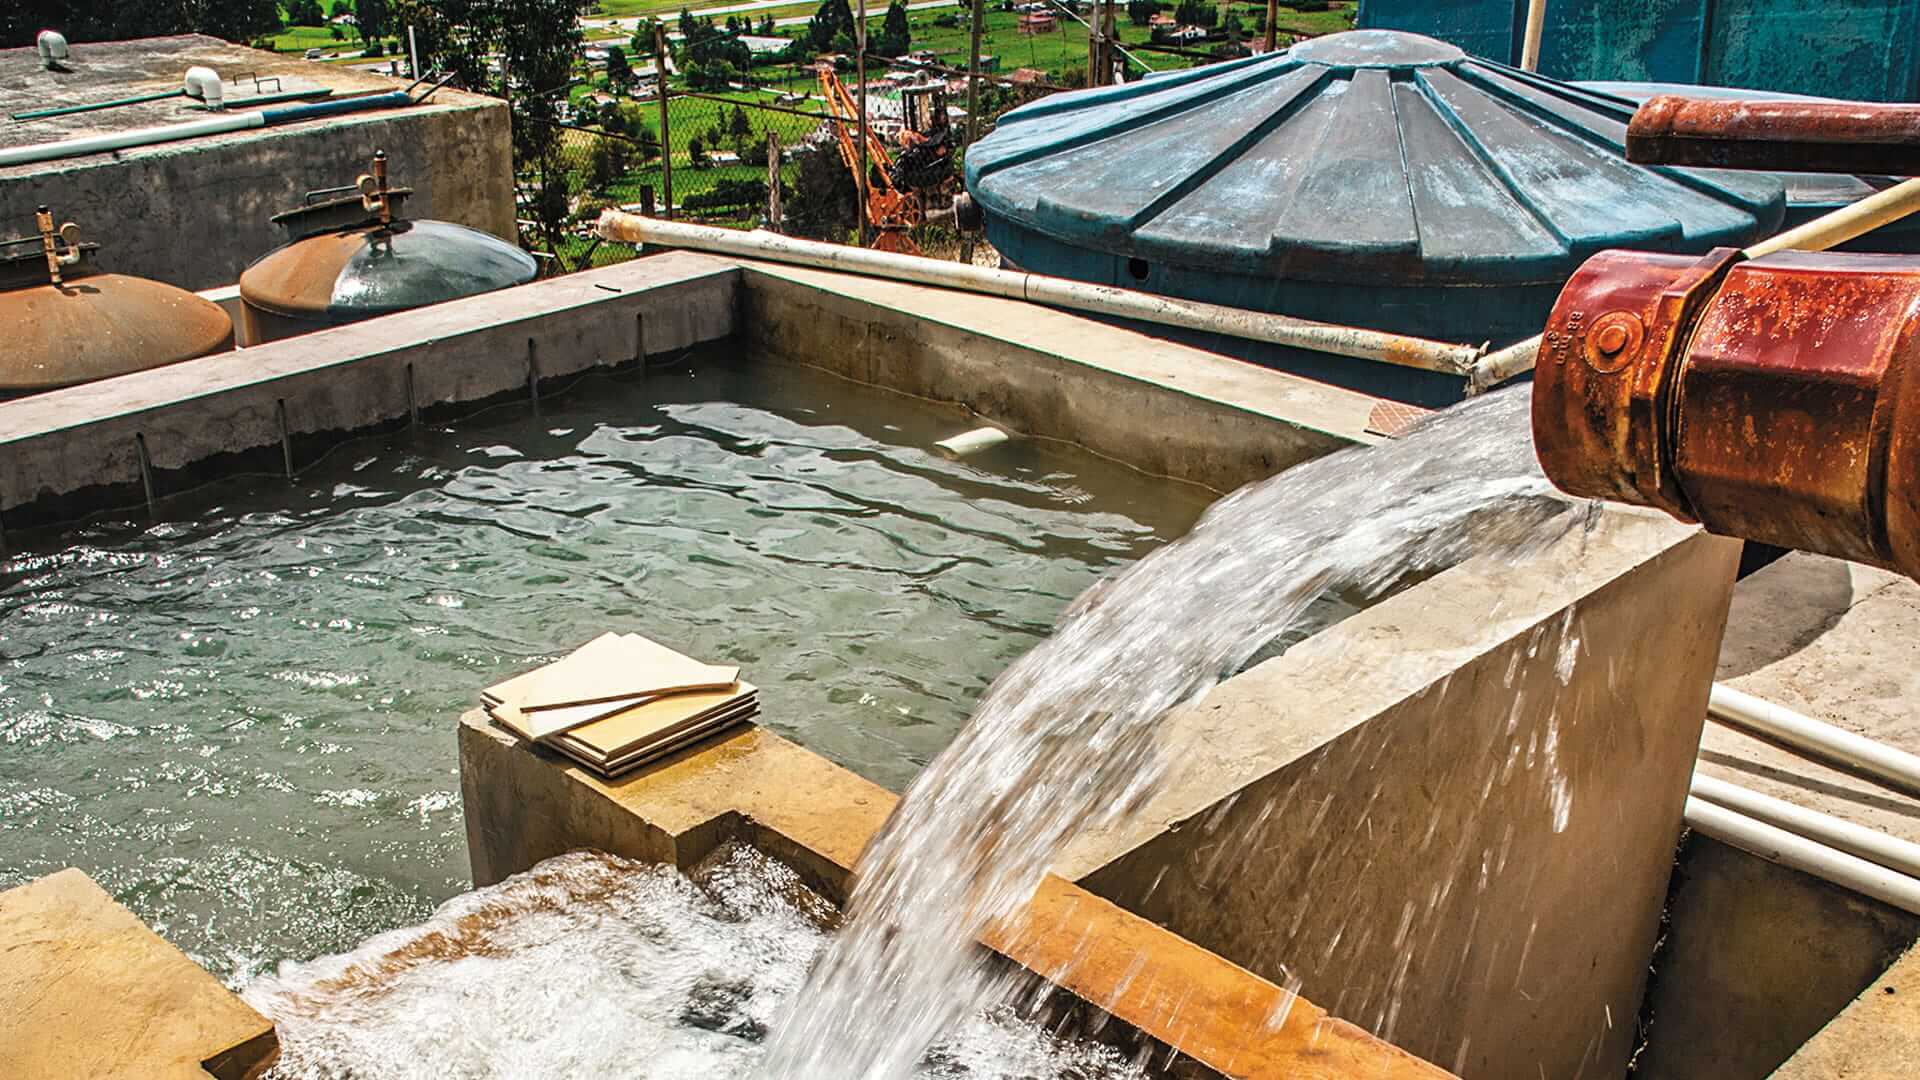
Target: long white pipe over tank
x,y
1828,230
1809,856
192,129
122,140
1893,767
1838,833
1041,289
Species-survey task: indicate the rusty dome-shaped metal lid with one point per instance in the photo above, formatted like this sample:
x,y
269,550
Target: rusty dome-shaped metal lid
x,y
70,323
373,270
1370,157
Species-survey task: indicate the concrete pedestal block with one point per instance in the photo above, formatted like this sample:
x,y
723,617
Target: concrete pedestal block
x,y
86,990
1453,815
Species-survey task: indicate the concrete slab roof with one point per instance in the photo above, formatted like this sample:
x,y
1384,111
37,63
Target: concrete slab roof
x,y
102,71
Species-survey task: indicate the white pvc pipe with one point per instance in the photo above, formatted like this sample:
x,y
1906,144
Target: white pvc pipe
x,y
1895,768
971,442
121,140
1838,833
1779,846
1852,220
1041,289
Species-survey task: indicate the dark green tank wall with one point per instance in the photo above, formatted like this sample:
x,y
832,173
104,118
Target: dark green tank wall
x,y
1863,49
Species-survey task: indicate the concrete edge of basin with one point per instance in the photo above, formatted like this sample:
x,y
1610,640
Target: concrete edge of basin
x,y
524,804
120,441
1158,406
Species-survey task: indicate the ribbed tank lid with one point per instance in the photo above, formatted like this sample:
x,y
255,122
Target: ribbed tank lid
x,y
1371,157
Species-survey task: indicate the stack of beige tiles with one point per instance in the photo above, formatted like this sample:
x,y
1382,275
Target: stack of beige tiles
x,y
620,701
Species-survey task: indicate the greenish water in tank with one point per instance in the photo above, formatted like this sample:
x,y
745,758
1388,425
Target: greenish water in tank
x,y
239,716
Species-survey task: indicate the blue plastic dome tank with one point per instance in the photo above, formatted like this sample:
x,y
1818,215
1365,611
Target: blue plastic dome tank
x,y
1370,178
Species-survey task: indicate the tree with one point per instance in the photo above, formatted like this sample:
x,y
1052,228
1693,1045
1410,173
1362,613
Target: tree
x,y
336,33
767,29
305,13
739,127
895,36
619,72
607,161
829,24
697,153
825,204
536,43
1141,12
374,20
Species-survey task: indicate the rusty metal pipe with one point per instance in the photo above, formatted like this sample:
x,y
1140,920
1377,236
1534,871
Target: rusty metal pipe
x,y
1774,399
1789,136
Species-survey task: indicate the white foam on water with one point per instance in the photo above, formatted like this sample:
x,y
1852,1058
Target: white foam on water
x,y
591,965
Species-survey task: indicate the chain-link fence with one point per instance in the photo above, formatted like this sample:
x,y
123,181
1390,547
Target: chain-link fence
x,y
765,154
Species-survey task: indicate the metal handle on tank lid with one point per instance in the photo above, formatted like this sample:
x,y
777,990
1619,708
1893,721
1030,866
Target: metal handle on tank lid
x,y
1775,399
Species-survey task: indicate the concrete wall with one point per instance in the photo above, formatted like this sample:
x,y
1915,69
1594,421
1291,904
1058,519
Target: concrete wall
x,y
1160,407
119,441
1449,837
194,213
1757,959
1877,1037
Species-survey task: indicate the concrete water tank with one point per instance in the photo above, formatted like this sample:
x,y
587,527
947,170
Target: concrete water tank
x,y
351,256
1369,178
68,322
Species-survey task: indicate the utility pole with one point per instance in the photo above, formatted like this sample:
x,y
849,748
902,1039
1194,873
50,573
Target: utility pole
x,y
660,91
973,73
1096,47
860,73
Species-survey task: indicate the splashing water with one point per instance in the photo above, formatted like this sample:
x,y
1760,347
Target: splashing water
x,y
1064,740
591,965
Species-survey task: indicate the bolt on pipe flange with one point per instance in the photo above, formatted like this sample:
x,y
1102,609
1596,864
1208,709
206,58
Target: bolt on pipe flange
x,y
1776,399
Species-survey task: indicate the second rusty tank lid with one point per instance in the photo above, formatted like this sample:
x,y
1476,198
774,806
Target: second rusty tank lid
x,y
363,272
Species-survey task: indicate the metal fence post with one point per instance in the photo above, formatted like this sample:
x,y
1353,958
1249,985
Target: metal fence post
x,y
773,180
660,91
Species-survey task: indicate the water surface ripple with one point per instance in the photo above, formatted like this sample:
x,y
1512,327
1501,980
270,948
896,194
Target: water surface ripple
x,y
239,718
